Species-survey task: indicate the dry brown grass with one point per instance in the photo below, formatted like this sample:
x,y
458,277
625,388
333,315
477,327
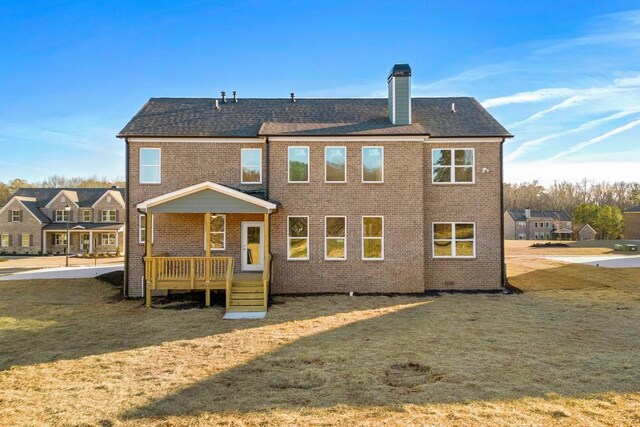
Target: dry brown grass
x,y
591,247
546,357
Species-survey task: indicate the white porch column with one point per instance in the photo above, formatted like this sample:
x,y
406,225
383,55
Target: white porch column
x,y
117,234
44,243
90,242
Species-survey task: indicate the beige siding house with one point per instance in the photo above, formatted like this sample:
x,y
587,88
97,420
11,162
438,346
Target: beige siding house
x,y
527,224
253,197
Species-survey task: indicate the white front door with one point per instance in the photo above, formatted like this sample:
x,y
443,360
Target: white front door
x,y
252,246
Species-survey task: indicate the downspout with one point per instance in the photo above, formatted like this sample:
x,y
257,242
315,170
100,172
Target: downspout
x,y
125,288
502,258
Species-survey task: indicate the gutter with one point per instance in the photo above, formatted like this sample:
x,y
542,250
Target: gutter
x,y
267,175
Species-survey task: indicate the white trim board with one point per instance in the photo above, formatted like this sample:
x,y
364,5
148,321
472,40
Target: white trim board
x,y
118,197
151,139
58,195
350,138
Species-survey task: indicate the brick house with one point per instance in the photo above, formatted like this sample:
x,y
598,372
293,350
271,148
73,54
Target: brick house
x,y
525,224
34,221
286,196
631,221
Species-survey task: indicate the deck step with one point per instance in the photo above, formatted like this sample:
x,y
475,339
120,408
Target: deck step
x,y
246,302
237,296
247,283
247,289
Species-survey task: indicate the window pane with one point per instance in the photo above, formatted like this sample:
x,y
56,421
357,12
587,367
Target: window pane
x,y
442,174
464,231
250,174
464,248
372,164
441,157
373,248
335,227
464,174
217,223
217,240
298,226
251,157
298,164
335,163
442,248
298,248
149,156
464,157
372,226
335,248
442,231
150,174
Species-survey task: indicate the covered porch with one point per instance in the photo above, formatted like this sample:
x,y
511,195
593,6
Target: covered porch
x,y
208,237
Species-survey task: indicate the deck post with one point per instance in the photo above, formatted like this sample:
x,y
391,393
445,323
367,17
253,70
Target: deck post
x,y
148,247
207,297
266,260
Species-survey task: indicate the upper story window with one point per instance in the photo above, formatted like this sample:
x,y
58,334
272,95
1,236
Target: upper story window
x,y
522,224
251,165
86,215
298,238
335,164
535,225
61,215
335,237
546,224
454,240
453,166
15,216
298,164
372,164
149,166
218,232
109,215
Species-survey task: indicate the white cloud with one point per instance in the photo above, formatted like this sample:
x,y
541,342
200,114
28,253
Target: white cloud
x,y
531,96
547,172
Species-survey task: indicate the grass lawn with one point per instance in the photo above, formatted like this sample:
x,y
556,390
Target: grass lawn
x,y
564,352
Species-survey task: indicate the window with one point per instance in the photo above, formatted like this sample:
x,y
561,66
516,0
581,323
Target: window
x,y
109,215
251,166
61,215
107,239
546,224
452,166
4,241
86,215
142,228
454,240
298,164
372,238
335,164
335,237
522,224
218,235
15,216
372,164
60,239
25,240
149,166
298,238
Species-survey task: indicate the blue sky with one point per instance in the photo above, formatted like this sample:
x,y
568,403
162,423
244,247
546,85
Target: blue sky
x,y
563,76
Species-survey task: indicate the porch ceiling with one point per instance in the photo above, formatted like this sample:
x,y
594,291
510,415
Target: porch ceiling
x,y
207,197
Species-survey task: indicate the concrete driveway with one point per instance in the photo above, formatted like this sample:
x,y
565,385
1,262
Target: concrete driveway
x,y
60,272
607,261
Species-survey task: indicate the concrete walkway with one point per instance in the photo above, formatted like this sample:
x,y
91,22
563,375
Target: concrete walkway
x,y
62,273
607,261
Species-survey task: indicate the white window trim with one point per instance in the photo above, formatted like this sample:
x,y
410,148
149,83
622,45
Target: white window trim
x,y
102,239
102,215
453,241
372,238
453,166
22,245
159,165
335,238
362,164
242,181
141,235
2,240
224,234
13,212
86,211
289,239
325,164
60,239
55,215
308,164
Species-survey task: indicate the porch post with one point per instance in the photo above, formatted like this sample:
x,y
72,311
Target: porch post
x,y
90,242
266,235
147,241
207,237
207,254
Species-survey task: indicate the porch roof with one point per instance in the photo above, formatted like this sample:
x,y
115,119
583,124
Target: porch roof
x,y
207,197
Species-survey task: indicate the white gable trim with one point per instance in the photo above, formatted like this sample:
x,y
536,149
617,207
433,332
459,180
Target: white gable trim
x,y
66,192
18,198
207,185
115,194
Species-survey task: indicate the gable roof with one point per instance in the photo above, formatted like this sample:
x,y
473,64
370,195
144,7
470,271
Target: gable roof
x,y
518,215
251,117
29,203
86,197
588,227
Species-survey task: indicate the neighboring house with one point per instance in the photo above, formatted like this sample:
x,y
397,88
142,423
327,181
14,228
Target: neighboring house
x,y
525,224
385,195
631,221
34,221
585,232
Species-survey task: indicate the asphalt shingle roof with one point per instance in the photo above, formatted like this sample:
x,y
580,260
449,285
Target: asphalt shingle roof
x,y
518,215
86,196
251,117
633,209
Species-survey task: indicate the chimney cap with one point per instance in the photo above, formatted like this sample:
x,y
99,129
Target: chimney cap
x,y
400,70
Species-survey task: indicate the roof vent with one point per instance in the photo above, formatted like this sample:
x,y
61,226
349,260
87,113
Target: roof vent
x,y
293,97
453,107
235,96
217,107
224,97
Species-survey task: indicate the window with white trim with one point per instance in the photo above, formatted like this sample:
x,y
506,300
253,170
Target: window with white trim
x,y
452,166
86,215
25,240
150,165
15,216
372,164
142,228
335,237
522,224
251,165
372,238
4,241
298,238
335,164
454,240
298,158
61,215
108,239
109,215
60,239
218,232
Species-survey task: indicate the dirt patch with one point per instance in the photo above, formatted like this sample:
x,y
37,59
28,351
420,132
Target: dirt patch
x,y
410,375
